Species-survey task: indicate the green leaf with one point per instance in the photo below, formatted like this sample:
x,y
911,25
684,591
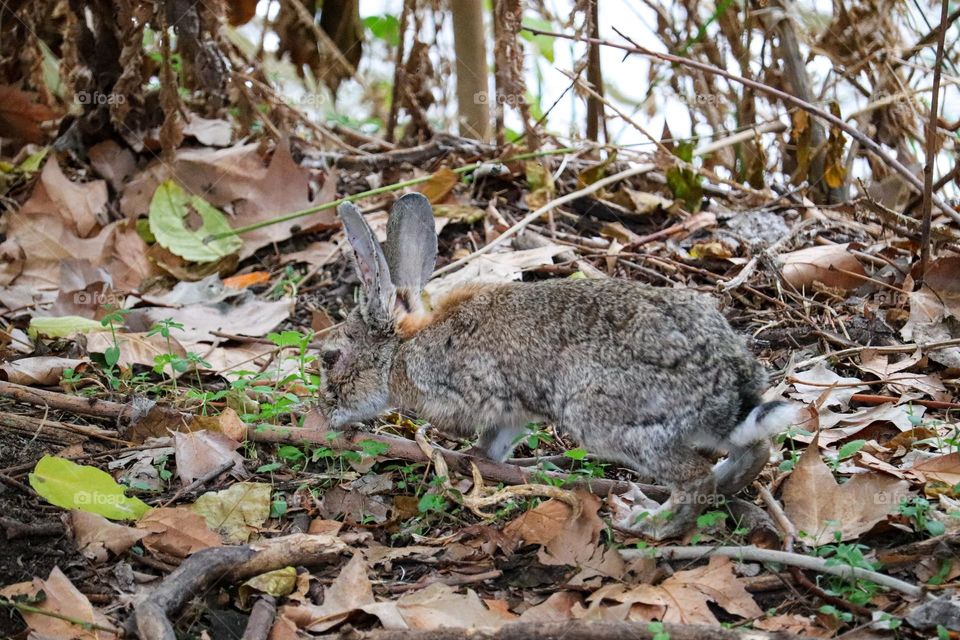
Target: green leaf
x,y
63,326
850,449
169,210
431,502
385,27
576,454
373,448
111,355
544,44
73,486
33,162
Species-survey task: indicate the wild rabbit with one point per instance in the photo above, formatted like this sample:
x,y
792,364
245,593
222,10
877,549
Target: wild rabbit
x,y
649,377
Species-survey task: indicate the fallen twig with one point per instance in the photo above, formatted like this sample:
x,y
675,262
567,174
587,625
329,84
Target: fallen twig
x,y
755,554
404,449
572,630
225,565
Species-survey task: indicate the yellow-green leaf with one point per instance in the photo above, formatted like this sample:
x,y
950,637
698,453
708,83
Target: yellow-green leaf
x,y
74,486
169,212
275,583
63,326
237,512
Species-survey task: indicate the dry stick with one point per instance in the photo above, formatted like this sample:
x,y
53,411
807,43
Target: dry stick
x,y
404,449
209,476
755,554
867,398
900,348
927,206
872,146
199,572
550,206
63,402
261,618
16,529
61,431
573,630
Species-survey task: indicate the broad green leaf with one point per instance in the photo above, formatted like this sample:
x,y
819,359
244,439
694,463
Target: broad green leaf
x,y
385,27
63,326
169,210
73,486
33,162
544,44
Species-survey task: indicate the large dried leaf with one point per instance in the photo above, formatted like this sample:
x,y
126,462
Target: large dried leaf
x,y
812,384
95,535
135,348
819,506
177,531
61,605
79,204
41,370
831,264
683,598
245,314
201,452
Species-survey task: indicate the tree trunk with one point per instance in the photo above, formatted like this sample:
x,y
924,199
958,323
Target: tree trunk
x,y
473,109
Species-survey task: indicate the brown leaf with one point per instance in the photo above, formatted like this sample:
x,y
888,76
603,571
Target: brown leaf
x,y
824,264
816,504
63,599
135,348
177,531
95,535
200,452
682,598
79,204
945,469
20,116
351,591
43,371
440,184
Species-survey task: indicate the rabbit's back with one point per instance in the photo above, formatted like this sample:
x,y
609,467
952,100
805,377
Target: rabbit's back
x,y
622,352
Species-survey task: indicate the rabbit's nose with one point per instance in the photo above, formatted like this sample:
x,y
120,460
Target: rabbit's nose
x,y
330,357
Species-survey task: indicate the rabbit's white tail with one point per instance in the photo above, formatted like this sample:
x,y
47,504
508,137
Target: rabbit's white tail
x,y
764,421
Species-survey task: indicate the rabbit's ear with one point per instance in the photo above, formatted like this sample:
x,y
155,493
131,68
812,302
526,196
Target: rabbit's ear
x,y
377,289
411,248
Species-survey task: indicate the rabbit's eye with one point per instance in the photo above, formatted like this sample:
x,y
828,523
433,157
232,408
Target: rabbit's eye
x,y
330,357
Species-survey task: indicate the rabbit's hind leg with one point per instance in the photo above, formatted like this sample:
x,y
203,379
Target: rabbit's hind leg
x,y
692,488
497,443
740,467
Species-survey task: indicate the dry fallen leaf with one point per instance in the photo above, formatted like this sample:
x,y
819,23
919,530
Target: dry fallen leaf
x,y
826,264
201,452
95,535
817,505
682,598
63,599
177,531
43,371
79,204
819,379
136,348
237,512
21,116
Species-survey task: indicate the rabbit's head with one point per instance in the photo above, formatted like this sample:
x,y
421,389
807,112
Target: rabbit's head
x,y
358,356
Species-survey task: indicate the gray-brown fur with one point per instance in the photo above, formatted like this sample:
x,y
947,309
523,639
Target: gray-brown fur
x,y
652,378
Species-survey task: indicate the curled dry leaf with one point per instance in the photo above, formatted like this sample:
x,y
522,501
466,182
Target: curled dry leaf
x,y
832,265
810,385
817,505
63,599
135,348
682,598
95,535
42,371
201,452
177,531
